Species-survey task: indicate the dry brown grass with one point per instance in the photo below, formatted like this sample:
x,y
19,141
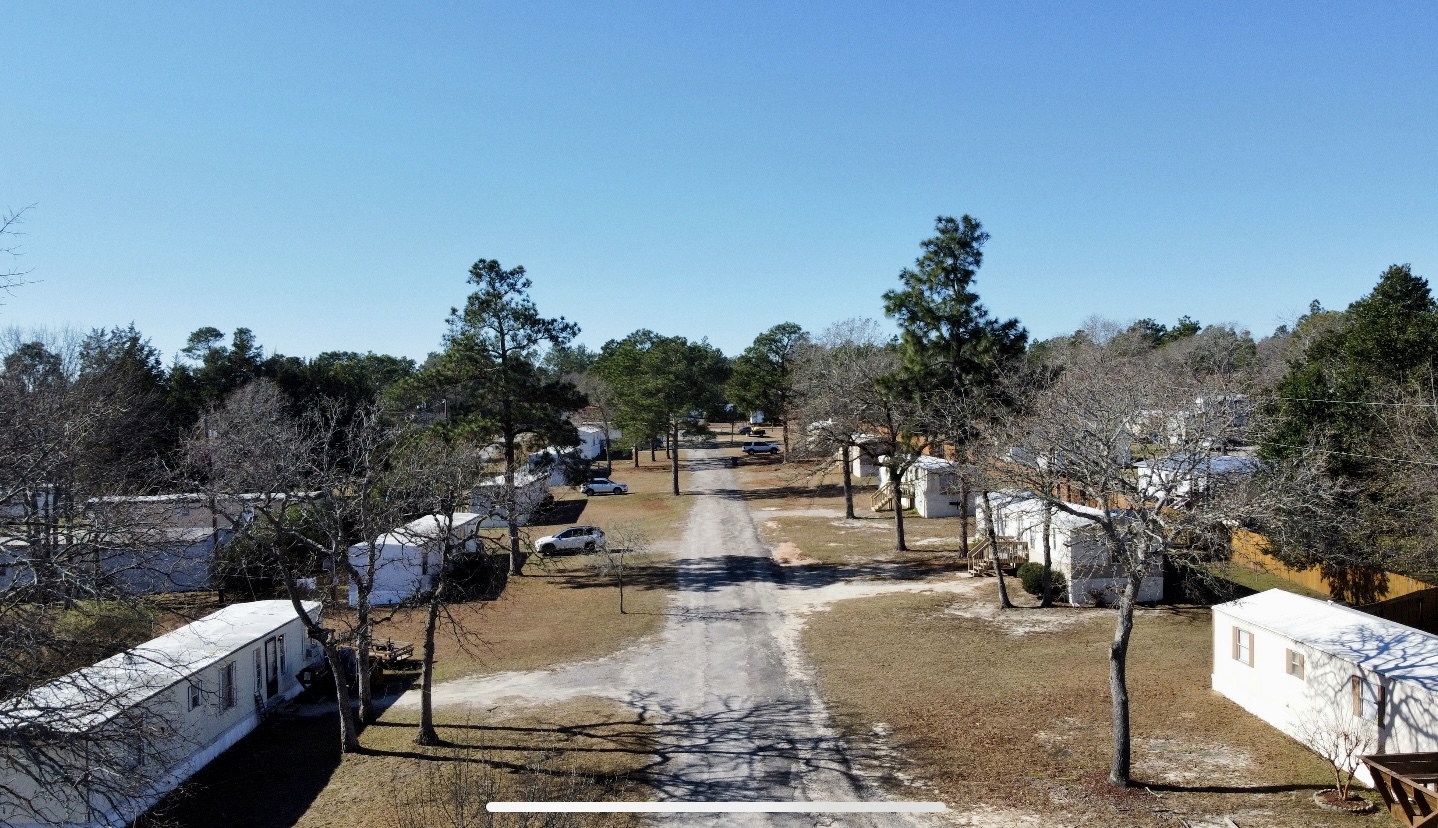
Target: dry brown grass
x,y
289,771
563,610
988,717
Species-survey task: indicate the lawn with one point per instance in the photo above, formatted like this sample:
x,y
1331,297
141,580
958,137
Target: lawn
x,y
1011,710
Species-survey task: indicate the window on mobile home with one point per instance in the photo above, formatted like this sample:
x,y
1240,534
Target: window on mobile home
x,y
1295,663
227,686
1243,646
1367,699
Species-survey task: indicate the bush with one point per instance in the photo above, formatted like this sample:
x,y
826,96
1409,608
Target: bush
x,y
1032,576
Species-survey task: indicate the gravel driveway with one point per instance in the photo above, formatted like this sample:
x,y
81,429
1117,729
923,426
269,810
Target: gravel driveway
x,y
738,717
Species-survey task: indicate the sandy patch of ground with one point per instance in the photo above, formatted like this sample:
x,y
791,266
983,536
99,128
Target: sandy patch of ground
x,y
859,523
1023,620
797,603
787,554
775,511
1183,761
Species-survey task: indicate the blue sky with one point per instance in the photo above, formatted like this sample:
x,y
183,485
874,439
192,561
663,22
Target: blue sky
x,y
325,173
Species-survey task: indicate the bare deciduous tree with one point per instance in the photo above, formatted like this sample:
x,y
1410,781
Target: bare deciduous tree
x,y
11,275
252,455
1340,739
69,525
1130,445
829,402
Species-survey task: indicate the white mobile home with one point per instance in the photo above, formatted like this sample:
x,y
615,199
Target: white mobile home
x,y
593,440
930,486
129,729
864,456
1076,548
1314,669
1177,478
408,558
531,490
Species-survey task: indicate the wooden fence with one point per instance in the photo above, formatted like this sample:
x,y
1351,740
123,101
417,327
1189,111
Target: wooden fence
x,y
1416,609
1351,585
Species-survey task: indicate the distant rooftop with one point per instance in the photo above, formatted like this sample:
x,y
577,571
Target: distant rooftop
x,y
1386,647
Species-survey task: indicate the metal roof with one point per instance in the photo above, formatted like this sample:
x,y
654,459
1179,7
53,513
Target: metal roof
x,y
1386,647
92,695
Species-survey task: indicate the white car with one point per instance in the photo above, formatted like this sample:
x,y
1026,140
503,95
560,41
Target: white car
x,y
573,539
604,485
760,447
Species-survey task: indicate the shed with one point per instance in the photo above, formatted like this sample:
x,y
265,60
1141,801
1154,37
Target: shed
x,y
407,558
155,714
1314,668
1076,547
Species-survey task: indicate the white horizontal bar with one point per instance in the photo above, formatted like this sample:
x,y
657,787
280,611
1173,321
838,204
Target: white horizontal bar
x,y
716,807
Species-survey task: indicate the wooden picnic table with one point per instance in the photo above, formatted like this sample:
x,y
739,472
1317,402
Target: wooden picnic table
x,y
390,651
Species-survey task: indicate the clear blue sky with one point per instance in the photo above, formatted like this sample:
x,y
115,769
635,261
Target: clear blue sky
x,y
326,173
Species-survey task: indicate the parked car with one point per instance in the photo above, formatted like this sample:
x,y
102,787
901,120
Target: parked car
x,y
573,539
760,447
603,485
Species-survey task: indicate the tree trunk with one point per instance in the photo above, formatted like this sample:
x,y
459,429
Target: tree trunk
x,y
674,458
427,734
651,450
636,455
363,684
516,558
898,512
1118,773
1048,586
784,429
1004,602
964,521
349,729
848,486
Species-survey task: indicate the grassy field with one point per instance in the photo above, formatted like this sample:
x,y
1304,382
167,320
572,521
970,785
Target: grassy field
x,y
1011,710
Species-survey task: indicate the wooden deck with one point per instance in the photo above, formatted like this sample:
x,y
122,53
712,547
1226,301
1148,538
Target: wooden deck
x,y
1408,783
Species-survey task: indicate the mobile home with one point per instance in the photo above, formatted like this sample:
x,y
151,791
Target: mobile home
x,y
1317,670
122,733
408,558
1076,547
930,486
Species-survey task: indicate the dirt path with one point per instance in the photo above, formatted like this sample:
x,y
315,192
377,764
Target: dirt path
x,y
738,716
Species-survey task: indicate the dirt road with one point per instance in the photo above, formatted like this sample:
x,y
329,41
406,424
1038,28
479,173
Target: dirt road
x,y
738,717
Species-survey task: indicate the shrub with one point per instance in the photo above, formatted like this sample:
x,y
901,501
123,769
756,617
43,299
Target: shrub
x,y
1032,576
